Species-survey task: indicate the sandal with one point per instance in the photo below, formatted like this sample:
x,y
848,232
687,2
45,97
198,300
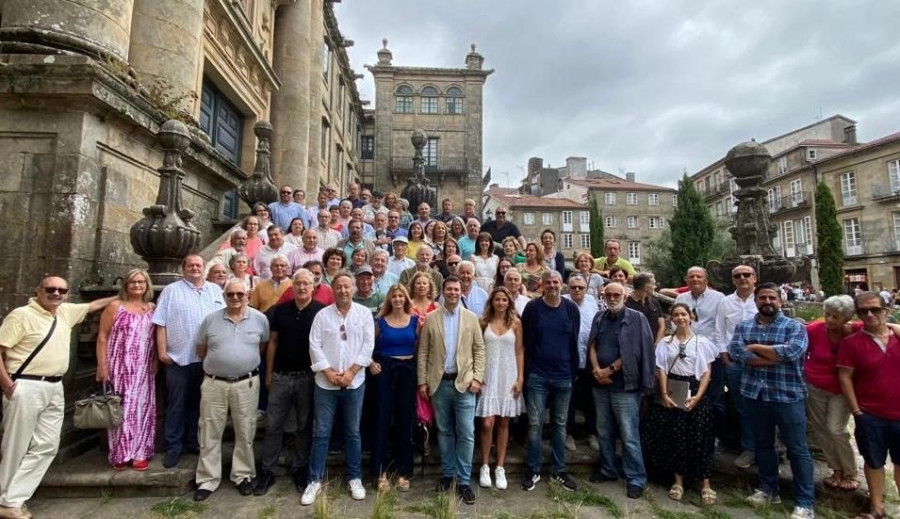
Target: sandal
x,y
402,484
708,496
676,492
872,515
848,484
383,484
832,481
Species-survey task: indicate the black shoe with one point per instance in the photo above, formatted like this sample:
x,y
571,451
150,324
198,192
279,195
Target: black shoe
x,y
598,476
444,485
465,492
202,495
245,487
193,450
634,492
564,481
171,459
265,481
300,478
530,480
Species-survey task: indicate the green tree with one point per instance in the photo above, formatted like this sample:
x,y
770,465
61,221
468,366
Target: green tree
x,y
596,228
829,236
693,229
658,254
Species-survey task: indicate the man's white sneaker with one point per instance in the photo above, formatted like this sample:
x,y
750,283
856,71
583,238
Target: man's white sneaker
x,y
357,490
311,493
802,513
484,477
760,499
500,478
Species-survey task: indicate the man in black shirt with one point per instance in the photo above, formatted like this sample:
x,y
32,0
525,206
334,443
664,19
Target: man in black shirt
x,y
642,300
289,380
500,228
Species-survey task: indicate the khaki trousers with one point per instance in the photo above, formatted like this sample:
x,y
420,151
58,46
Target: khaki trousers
x,y
217,398
32,421
828,415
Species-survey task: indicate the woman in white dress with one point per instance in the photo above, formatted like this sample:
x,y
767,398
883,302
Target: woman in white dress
x,y
485,261
501,393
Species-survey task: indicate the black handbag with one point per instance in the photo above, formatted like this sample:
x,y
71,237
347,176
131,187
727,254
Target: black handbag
x,y
102,409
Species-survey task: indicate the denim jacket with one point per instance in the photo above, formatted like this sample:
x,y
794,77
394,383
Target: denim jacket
x,y
636,345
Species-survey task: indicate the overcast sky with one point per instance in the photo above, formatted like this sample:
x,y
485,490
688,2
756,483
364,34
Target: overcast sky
x,y
654,87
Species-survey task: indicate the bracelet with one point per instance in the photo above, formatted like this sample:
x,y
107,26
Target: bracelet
x,y
855,411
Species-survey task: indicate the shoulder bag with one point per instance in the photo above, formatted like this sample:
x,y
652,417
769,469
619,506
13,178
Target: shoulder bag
x,y
35,351
678,390
102,409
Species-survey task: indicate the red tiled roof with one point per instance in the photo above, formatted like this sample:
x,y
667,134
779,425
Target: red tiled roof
x,y
618,184
862,147
537,201
500,191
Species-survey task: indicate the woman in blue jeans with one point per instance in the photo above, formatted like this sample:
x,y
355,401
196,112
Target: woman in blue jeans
x,y
394,374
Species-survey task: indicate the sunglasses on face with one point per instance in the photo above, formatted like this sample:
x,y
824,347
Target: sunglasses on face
x,y
742,275
876,310
53,290
235,295
577,287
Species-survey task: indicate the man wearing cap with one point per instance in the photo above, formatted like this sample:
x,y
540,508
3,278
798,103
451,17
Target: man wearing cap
x,y
375,206
33,400
399,262
366,294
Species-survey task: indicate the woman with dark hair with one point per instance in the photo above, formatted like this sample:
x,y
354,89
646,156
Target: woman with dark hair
x,y
504,373
532,270
416,238
334,261
294,233
457,228
485,261
126,357
679,438
552,257
451,248
502,267
393,370
261,211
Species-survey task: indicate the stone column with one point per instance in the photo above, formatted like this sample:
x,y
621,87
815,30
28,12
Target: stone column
x,y
167,46
290,104
316,91
95,27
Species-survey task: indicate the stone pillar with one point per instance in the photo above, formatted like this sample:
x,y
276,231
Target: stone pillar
x,y
167,47
316,91
290,104
99,28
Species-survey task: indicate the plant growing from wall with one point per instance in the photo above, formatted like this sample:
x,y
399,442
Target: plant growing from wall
x,y
829,237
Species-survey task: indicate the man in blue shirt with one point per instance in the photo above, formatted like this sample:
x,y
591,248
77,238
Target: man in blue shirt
x,y
771,348
285,210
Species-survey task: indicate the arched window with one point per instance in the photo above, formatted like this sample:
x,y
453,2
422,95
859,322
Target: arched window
x,y
454,100
404,100
430,100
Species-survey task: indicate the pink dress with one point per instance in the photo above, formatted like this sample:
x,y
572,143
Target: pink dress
x,y
130,355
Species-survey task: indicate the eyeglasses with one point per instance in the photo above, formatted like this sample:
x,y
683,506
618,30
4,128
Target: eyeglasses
x,y
742,275
285,192
872,310
452,263
343,333
613,296
501,212
53,290
576,287
236,295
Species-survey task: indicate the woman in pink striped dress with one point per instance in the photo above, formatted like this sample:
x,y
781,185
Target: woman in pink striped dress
x,y
126,357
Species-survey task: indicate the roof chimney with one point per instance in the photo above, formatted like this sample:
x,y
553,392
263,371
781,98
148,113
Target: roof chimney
x,y
629,176
850,135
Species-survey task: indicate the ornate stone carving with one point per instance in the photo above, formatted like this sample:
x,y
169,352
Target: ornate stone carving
x,y
474,61
260,187
384,55
417,188
165,235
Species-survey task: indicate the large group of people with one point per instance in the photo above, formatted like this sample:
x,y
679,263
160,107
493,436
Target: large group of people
x,y
317,316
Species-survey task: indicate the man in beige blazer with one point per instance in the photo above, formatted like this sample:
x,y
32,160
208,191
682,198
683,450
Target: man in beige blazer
x,y
450,371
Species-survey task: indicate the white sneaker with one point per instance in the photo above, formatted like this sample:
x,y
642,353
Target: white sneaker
x,y
500,478
357,490
760,499
570,443
593,443
802,513
484,477
311,493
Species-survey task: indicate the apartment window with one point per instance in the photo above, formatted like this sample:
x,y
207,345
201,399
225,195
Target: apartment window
x,y
404,103
567,240
653,198
430,100
896,218
342,94
774,199
788,237
528,218
848,188
717,180
611,221
567,217
430,153
326,60
852,236
454,101
729,205
720,208
326,137
222,122
800,233
631,198
807,230
631,222
674,200
586,241
634,252
609,198
655,222
811,154
782,165
796,192
585,219
894,174
547,218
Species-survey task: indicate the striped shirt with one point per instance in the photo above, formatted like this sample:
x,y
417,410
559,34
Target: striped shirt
x,y
782,383
181,308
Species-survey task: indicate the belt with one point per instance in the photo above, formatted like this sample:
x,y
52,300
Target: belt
x,y
292,373
39,378
234,379
449,376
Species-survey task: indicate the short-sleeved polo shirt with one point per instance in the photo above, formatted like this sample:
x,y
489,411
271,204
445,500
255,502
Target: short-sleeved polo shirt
x,y
25,327
232,347
875,373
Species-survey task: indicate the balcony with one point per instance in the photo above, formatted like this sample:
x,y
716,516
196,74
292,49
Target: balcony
x,y
886,192
791,202
437,170
855,249
716,191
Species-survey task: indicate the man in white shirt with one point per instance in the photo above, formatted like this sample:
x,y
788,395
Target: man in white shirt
x,y
340,347
275,246
399,262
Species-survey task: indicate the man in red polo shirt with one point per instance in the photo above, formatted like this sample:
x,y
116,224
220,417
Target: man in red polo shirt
x,y
868,368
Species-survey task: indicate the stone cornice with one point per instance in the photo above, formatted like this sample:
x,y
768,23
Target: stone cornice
x,y
434,71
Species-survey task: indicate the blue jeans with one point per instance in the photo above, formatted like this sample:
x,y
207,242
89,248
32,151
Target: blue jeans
x,y
325,402
791,421
557,391
583,399
619,411
734,372
182,406
454,413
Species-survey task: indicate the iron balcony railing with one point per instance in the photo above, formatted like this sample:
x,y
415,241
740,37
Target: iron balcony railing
x,y
800,199
435,165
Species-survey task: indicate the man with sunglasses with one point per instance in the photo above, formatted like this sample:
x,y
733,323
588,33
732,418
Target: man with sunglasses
x,y
32,421
771,348
868,370
229,341
286,209
500,228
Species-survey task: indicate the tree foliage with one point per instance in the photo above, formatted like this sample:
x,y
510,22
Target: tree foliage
x,y
658,255
829,237
596,228
692,228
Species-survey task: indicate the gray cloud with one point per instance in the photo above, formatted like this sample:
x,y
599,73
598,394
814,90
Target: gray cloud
x,y
649,86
